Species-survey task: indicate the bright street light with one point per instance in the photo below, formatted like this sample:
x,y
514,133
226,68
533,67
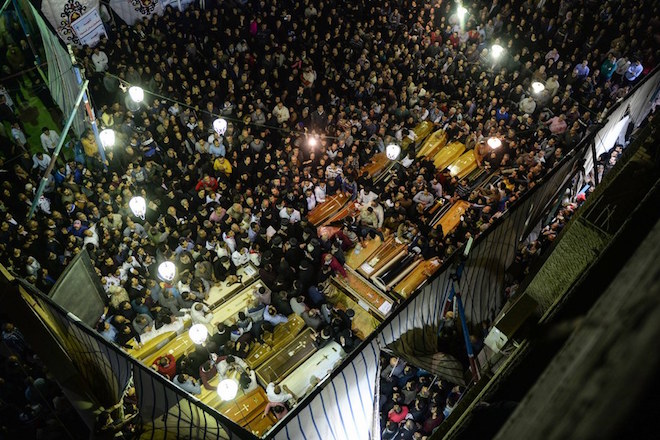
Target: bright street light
x,y
198,333
107,137
312,140
139,206
167,271
538,87
220,126
392,151
227,389
494,143
136,93
497,51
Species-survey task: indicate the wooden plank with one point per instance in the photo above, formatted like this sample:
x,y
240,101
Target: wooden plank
x,y
287,359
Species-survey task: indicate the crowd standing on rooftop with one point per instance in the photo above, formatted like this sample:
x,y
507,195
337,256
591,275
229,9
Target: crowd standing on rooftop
x,y
354,76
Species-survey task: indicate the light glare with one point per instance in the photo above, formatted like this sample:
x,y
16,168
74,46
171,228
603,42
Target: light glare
x,y
497,51
136,93
107,137
494,143
198,333
538,87
392,151
227,389
167,270
139,206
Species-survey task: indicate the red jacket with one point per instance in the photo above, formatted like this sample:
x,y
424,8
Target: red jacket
x,y
170,369
336,266
398,418
212,184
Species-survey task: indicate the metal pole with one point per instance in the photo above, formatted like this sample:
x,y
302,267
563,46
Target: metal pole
x,y
4,6
53,159
91,116
88,107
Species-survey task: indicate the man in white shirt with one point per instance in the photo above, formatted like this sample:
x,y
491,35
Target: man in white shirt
x,y
293,215
277,395
100,60
40,161
319,192
49,139
311,200
18,135
281,113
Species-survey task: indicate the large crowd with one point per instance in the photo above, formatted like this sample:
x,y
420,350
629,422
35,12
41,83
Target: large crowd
x,y
311,92
413,402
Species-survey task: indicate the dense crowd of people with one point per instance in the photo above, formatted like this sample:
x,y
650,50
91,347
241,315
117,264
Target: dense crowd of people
x,y
413,403
311,92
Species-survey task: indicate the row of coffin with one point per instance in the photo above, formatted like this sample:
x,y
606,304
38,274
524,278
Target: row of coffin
x,y
433,146
289,356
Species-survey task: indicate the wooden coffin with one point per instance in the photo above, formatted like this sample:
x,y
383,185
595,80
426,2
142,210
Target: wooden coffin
x,y
331,206
309,373
261,425
222,291
364,322
376,165
282,335
421,130
390,251
452,218
364,293
228,310
414,279
349,210
282,363
176,347
448,154
464,165
358,255
211,397
404,273
433,144
245,409
152,345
